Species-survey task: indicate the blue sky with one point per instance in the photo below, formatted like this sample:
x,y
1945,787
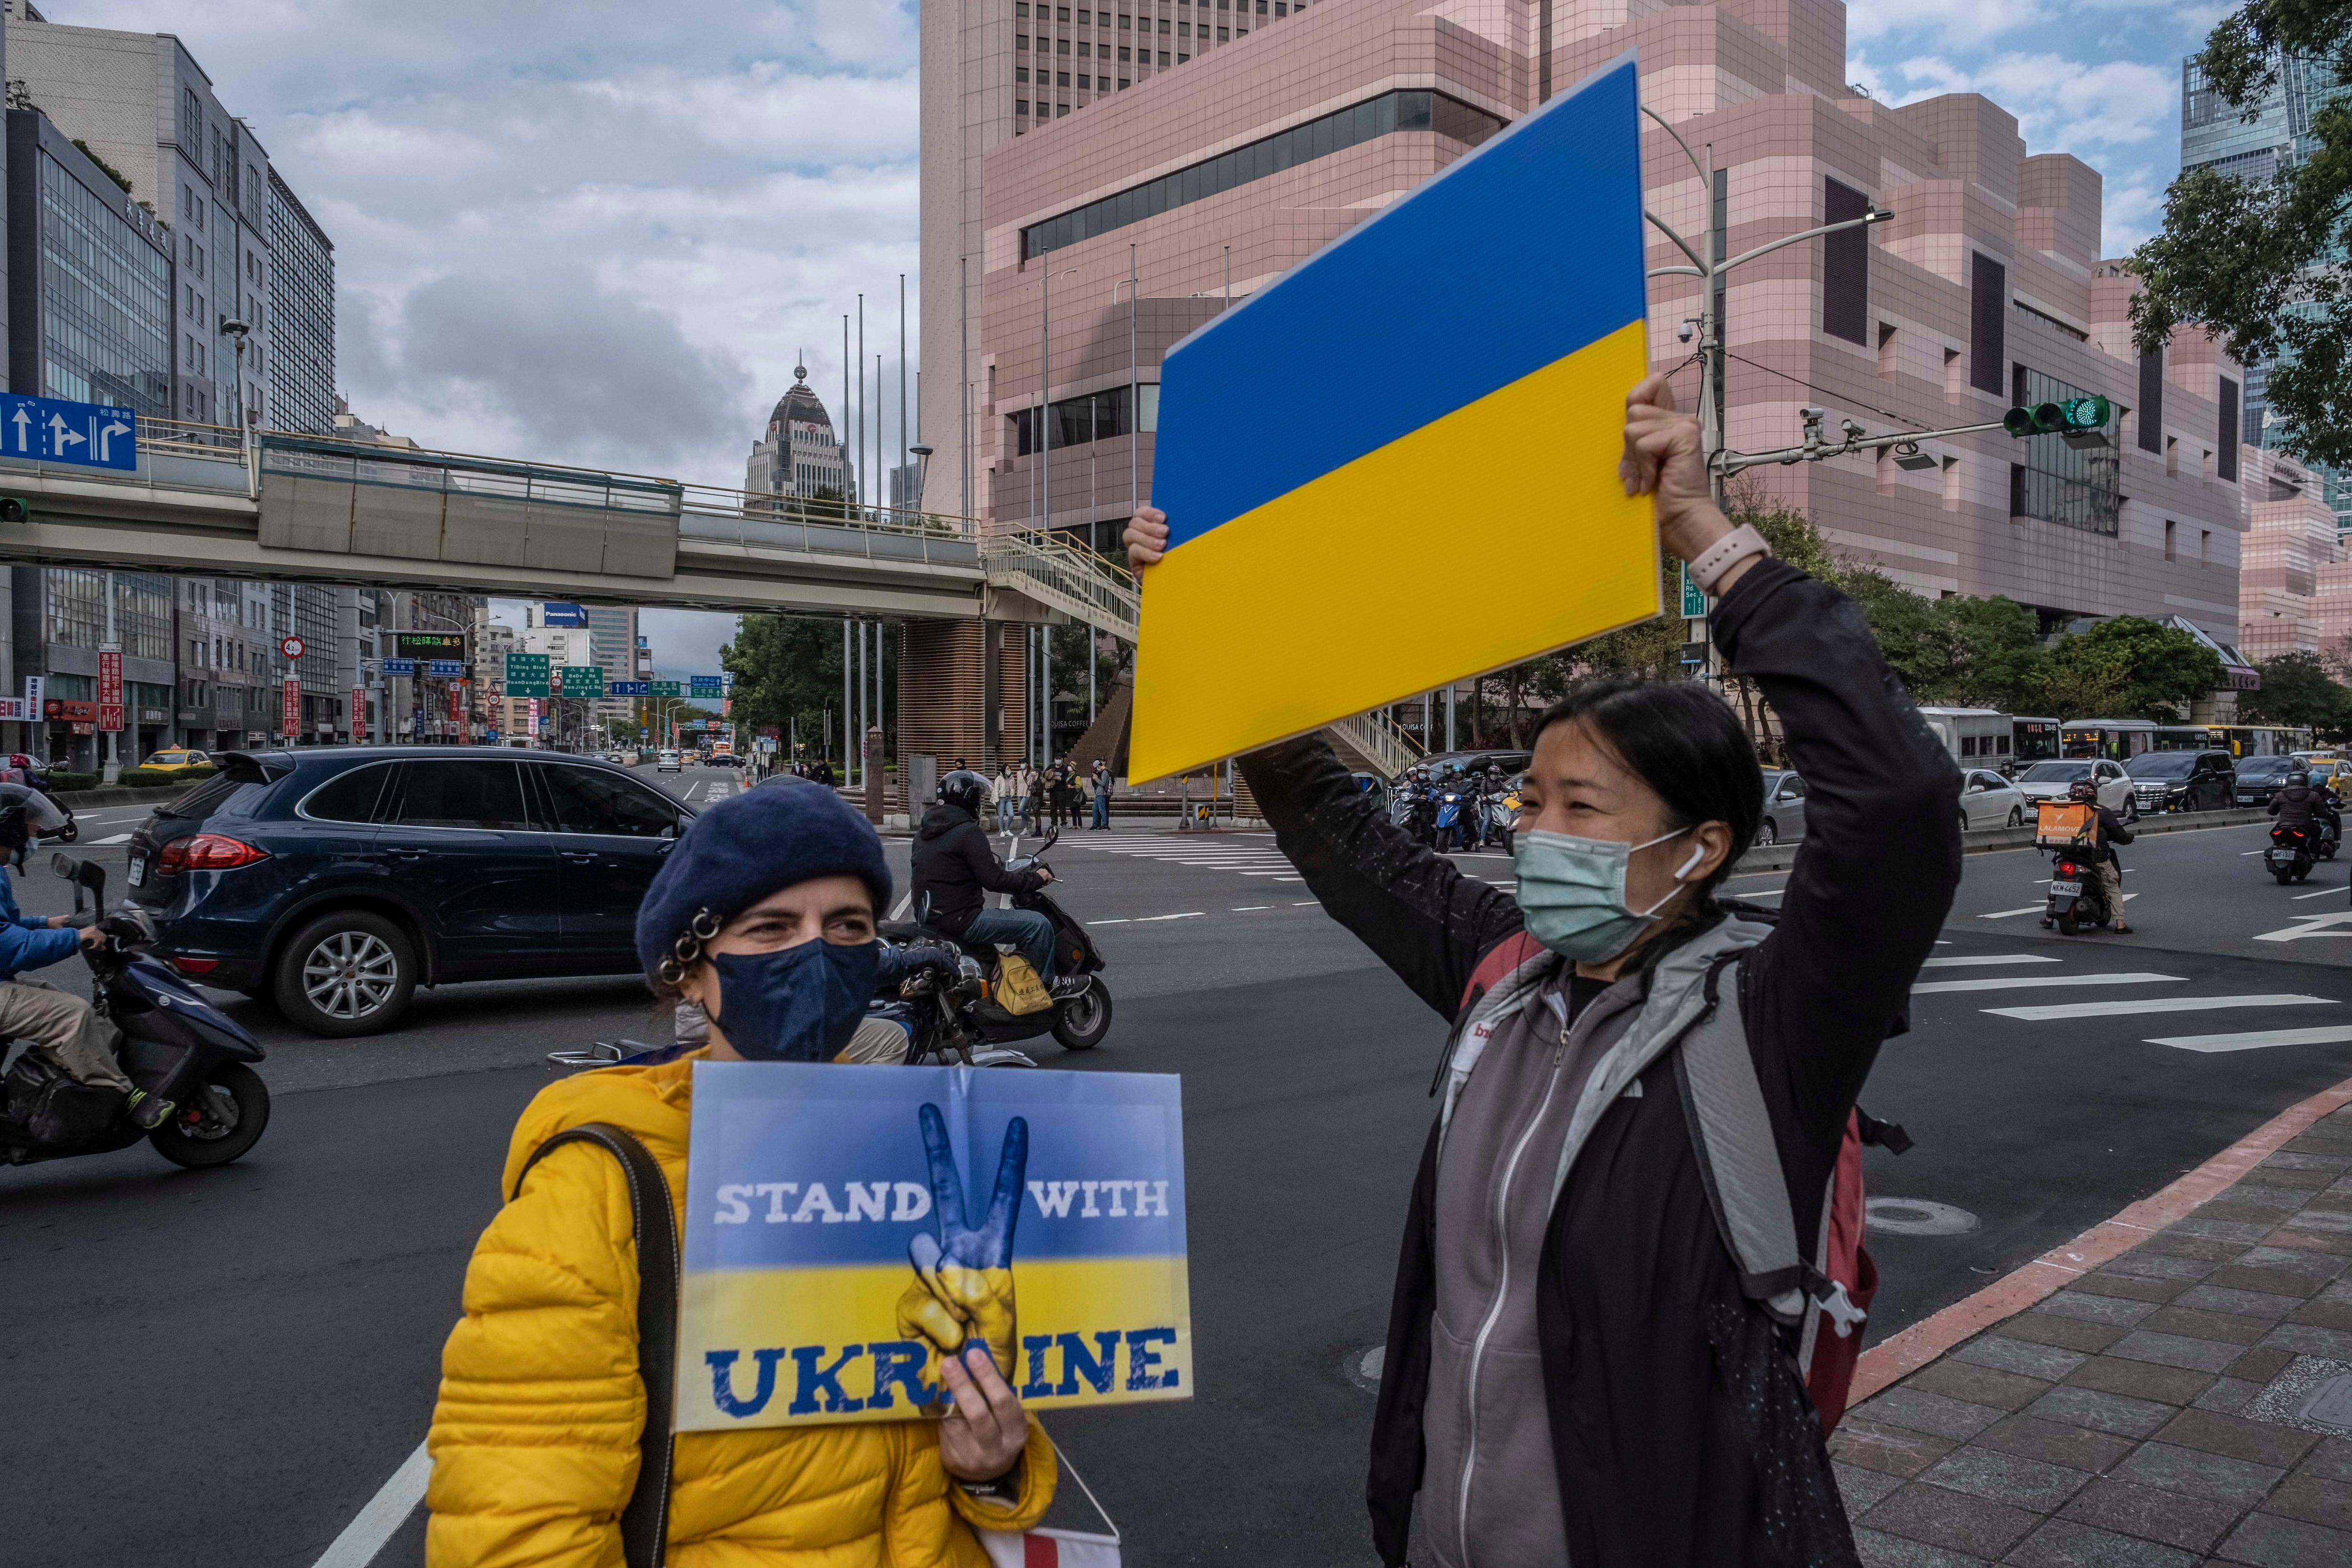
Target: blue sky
x,y
2099,79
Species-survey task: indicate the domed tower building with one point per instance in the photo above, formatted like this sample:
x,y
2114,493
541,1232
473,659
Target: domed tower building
x,y
798,456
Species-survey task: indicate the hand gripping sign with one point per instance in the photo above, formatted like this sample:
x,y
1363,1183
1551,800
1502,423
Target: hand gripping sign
x,y
832,1255
1451,377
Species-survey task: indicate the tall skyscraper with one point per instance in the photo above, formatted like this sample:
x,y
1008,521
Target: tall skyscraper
x,y
303,313
2215,134
798,454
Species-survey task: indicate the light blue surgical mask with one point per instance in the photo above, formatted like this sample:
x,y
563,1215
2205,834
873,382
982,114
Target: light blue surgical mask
x,y
1573,892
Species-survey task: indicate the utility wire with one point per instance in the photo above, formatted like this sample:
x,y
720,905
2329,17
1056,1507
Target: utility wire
x,y
1838,397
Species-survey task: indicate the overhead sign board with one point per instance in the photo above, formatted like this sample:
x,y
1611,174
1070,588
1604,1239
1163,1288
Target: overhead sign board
x,y
562,616
399,666
1485,408
628,688
445,669
85,435
582,680
662,689
704,685
526,675
429,645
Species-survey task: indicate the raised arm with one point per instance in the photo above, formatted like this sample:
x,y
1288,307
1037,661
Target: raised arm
x,y
1412,905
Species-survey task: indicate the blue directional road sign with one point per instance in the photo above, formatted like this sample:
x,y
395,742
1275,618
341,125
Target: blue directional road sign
x,y
628,688
87,435
703,686
399,666
446,667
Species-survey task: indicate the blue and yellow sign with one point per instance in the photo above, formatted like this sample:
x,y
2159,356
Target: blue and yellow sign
x,y
845,1227
1397,467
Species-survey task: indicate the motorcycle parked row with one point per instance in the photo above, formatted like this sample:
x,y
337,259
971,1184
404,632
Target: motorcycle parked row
x,y
1457,814
175,1044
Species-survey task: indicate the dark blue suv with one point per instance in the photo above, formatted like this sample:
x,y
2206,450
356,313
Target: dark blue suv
x,y
338,880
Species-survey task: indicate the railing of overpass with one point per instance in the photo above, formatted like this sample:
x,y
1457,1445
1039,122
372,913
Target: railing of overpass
x,y
1045,565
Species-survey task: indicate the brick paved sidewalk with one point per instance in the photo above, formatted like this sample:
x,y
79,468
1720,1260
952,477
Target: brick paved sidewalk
x,y
2183,1396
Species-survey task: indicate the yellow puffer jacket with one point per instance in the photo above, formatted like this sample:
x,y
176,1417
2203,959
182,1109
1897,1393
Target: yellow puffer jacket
x,y
535,1441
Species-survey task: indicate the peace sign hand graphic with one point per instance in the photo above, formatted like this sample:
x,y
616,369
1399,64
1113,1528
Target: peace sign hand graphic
x,y
963,1290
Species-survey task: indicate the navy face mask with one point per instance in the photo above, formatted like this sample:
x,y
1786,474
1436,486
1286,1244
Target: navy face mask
x,y
797,1004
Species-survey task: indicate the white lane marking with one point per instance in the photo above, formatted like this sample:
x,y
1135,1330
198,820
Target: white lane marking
x,y
1305,903
1764,893
2020,982
2005,914
118,838
1979,959
385,1512
1245,909
2245,852
2158,1004
1187,915
1120,921
2257,1039
2309,925
898,910
2321,894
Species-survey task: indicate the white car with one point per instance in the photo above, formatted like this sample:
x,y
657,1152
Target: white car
x,y
667,762
2051,780
1988,800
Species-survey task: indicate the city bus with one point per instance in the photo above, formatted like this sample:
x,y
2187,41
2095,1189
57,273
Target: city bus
x,y
2032,741
2259,739
1979,735
2118,739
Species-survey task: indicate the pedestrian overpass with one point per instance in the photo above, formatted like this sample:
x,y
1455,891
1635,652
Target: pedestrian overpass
x,y
275,506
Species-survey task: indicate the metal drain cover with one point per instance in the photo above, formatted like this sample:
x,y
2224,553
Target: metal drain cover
x,y
1918,1217
2329,1404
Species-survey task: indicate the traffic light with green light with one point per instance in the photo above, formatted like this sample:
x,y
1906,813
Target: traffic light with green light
x,y
2074,416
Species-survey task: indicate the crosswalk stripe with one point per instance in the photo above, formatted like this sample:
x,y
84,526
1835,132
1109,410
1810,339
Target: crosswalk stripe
x,y
2157,1005
117,838
1981,958
2258,1039
2019,982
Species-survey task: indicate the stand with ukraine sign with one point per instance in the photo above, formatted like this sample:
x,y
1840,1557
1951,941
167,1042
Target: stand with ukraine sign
x,y
1451,377
845,1227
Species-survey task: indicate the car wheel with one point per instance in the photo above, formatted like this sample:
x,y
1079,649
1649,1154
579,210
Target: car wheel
x,y
345,975
1767,835
2131,809
2017,817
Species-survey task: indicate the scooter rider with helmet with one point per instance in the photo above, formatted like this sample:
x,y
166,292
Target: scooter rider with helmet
x,y
2304,805
63,1027
2108,830
955,870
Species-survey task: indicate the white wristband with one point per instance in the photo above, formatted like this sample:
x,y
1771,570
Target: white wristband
x,y
1708,567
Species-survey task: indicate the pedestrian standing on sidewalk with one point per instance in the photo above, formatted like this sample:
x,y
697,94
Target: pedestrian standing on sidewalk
x,y
1573,1371
1033,797
1102,796
1006,788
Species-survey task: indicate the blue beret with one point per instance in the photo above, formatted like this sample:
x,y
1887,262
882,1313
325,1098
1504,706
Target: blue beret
x,y
751,846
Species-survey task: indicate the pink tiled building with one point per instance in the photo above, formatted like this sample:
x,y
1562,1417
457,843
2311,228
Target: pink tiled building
x,y
1221,172
2295,591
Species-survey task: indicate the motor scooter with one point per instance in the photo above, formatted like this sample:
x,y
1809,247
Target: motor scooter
x,y
2077,897
2292,850
175,1044
1080,1014
1457,809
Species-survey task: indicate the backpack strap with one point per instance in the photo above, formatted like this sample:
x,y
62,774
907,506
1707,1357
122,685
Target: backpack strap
x,y
1740,1166
644,1522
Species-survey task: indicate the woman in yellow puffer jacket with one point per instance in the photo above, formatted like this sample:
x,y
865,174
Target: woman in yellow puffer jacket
x,y
535,1442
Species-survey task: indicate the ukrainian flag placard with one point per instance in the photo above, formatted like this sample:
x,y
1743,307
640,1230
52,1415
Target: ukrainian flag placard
x,y
845,1227
1397,466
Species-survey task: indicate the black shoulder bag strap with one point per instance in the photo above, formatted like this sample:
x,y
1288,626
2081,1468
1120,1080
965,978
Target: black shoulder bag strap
x,y
644,1522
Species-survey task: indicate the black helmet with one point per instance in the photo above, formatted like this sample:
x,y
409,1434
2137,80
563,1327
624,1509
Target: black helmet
x,y
966,789
2299,779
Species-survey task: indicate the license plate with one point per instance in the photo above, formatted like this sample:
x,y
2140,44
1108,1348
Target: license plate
x,y
2246,800
2067,889
138,870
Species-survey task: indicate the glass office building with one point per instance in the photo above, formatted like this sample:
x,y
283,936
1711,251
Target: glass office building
x,y
302,313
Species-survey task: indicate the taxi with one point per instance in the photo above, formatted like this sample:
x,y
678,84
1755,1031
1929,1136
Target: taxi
x,y
177,760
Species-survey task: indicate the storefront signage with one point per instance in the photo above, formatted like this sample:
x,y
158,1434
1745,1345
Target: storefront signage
x,y
70,711
290,719
358,715
110,688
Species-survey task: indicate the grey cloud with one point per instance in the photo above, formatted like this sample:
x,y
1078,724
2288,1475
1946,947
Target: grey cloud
x,y
574,371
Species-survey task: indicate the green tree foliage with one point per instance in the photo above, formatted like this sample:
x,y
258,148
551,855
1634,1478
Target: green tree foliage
x,y
2259,263
2298,689
787,673
2123,669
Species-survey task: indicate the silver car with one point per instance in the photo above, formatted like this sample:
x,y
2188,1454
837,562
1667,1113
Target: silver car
x,y
1784,808
2051,780
1988,800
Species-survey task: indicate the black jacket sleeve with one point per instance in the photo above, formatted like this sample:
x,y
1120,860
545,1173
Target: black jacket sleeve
x,y
1881,858
971,845
1412,905
2112,829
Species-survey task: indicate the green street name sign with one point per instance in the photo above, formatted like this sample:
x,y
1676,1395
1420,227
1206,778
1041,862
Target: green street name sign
x,y
583,680
526,675
666,689
1694,600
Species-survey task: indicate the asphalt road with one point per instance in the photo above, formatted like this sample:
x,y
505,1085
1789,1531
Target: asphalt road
x,y
224,1367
